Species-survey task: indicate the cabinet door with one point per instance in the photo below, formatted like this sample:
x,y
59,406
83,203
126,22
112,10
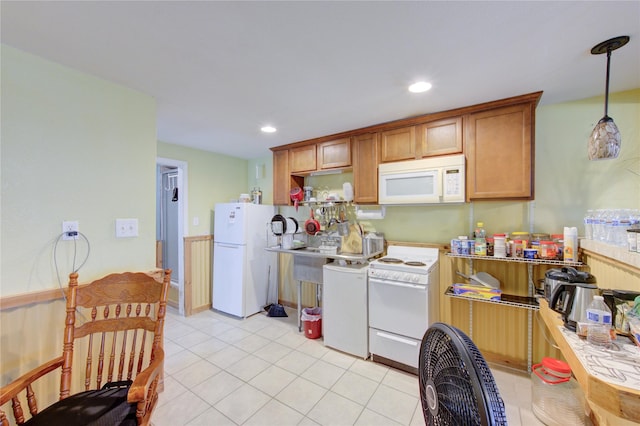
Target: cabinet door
x,y
333,154
441,137
281,177
302,159
365,168
499,149
398,144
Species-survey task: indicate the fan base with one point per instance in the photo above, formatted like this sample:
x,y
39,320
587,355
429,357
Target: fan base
x,y
394,364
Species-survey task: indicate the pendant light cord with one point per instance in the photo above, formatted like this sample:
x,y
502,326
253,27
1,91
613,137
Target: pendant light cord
x,y
606,89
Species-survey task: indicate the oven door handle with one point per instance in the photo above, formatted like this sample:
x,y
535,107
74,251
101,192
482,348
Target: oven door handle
x,y
396,284
396,338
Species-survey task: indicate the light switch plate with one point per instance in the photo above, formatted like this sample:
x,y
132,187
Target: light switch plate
x,y
126,228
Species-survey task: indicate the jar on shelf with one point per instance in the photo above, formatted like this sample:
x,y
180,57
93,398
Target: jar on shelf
x,y
556,397
539,236
517,248
524,237
499,245
548,250
558,240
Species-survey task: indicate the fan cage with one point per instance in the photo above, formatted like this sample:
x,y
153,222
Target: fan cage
x,y
452,367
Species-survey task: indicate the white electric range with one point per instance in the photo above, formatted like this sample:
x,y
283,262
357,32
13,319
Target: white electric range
x,y
403,302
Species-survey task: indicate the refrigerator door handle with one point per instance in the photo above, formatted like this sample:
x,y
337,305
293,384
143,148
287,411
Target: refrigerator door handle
x,y
228,245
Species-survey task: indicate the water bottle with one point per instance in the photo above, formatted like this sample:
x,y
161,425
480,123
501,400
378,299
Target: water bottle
x,y
598,225
599,319
588,225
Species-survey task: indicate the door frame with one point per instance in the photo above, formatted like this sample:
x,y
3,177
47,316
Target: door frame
x,y
183,219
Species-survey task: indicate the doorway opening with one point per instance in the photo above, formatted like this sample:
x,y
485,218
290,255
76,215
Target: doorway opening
x,y
171,198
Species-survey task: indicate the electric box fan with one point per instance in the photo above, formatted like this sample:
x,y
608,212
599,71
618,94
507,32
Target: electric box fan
x,y
456,385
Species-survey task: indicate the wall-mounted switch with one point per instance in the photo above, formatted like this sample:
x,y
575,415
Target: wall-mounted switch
x,y
126,228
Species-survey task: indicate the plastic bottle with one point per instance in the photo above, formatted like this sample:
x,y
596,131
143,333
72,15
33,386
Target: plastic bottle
x,y
599,319
480,240
570,249
588,225
499,245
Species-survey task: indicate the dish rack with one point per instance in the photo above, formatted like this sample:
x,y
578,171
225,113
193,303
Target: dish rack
x,y
329,244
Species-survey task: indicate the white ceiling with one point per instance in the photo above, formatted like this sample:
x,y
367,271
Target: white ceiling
x,y
221,70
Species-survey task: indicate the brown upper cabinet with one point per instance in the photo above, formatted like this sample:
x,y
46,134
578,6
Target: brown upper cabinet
x,y
497,139
281,177
365,168
499,152
441,137
302,159
398,144
334,154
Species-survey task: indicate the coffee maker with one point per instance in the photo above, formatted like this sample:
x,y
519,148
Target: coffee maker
x,y
577,298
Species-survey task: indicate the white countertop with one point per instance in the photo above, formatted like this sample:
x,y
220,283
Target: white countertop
x,y
314,252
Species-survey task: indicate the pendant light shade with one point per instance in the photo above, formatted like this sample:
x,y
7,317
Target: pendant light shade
x,y
605,140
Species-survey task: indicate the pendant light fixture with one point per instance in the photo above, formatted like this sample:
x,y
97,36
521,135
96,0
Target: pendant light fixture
x,y
604,141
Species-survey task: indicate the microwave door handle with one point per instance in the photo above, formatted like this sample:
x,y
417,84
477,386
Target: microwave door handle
x,y
440,185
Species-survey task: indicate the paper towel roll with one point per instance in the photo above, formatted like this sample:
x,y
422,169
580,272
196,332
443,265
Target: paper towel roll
x,y
570,250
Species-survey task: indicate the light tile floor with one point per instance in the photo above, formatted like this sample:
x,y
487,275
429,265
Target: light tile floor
x,y
221,370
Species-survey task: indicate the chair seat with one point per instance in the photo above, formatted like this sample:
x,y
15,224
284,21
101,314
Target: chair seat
x,y
104,407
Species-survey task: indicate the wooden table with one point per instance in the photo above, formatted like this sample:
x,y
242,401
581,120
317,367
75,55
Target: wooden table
x,y
610,404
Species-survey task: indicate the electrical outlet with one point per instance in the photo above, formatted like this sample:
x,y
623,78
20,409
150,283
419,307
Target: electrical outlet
x,y
70,229
126,228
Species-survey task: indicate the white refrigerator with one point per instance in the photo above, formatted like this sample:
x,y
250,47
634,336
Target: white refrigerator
x,y
242,268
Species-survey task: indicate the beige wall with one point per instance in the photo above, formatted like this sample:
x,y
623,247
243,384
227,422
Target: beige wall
x,y
74,147
212,178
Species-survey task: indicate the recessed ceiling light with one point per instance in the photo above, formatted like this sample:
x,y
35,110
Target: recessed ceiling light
x,y
419,87
268,129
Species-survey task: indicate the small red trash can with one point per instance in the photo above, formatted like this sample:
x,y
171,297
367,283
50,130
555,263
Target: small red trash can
x,y
312,322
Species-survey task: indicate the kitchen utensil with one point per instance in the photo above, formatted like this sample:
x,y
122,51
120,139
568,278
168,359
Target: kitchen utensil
x,y
343,226
296,195
292,225
555,277
482,278
311,226
577,299
308,193
278,225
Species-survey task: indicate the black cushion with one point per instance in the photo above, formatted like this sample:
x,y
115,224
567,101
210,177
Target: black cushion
x,y
104,407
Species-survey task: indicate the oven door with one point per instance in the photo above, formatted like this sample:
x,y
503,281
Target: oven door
x,y
398,307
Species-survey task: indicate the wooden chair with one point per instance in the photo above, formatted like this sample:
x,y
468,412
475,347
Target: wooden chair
x,y
121,322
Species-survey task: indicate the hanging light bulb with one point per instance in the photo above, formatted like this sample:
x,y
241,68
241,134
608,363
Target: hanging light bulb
x,y
605,140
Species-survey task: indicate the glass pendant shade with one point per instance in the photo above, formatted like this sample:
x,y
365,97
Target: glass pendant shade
x,y
605,140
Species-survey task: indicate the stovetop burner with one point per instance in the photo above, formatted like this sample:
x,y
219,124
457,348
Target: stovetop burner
x,y
390,260
415,263
415,260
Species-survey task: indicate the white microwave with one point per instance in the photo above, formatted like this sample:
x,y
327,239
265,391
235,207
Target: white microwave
x,y
432,180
